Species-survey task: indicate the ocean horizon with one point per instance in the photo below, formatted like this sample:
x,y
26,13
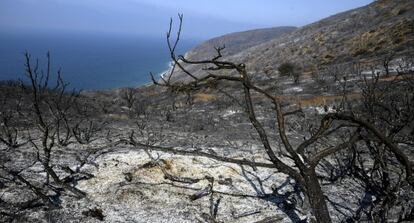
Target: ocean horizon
x,y
89,62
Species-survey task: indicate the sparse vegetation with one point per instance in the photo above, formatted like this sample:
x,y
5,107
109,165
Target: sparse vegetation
x,y
38,119
289,69
221,138
129,96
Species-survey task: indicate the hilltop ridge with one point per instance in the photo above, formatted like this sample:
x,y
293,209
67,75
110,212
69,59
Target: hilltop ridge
x,y
238,41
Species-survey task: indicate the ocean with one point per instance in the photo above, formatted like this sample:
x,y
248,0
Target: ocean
x,y
89,62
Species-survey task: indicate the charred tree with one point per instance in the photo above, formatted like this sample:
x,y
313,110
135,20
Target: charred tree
x,y
305,156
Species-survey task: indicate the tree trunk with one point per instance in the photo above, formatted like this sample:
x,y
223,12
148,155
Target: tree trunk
x,y
316,198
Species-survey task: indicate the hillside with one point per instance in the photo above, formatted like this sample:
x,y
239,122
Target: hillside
x,y
382,27
337,146
237,42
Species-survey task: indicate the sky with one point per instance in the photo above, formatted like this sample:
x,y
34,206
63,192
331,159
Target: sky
x,y
150,18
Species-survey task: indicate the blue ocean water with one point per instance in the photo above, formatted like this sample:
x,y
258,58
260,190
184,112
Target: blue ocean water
x,y
89,61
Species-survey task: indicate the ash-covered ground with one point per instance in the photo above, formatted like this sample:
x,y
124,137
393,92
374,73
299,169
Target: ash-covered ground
x,y
145,182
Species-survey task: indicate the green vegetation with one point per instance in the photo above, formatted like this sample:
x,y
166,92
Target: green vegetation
x,y
289,69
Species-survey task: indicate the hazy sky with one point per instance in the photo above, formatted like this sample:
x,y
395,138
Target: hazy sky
x,y
202,19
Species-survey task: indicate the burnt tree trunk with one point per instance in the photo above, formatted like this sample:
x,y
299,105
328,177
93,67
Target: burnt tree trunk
x,y
316,198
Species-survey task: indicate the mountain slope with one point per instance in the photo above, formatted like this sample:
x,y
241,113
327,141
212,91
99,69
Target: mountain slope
x,y
237,42
382,27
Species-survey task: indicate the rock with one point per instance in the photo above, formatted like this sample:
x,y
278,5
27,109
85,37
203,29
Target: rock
x,y
128,177
226,181
94,213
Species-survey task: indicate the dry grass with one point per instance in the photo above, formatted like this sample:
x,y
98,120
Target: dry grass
x,y
400,77
203,97
318,100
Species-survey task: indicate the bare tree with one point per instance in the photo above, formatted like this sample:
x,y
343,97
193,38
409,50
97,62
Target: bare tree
x,y
129,96
10,123
37,117
386,60
306,156
49,106
406,64
390,112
